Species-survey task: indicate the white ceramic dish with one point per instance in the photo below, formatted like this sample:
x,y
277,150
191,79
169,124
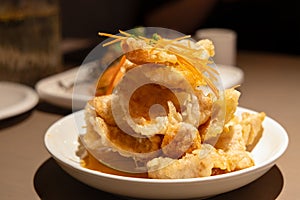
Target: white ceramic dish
x,y
230,75
16,99
50,90
61,142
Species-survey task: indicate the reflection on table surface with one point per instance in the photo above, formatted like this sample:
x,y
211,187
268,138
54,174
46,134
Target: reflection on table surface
x,y
270,85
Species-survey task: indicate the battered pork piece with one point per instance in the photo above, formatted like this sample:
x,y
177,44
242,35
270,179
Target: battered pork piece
x,y
230,153
175,140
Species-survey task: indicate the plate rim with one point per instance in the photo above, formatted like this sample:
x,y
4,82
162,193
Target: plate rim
x,y
42,85
30,101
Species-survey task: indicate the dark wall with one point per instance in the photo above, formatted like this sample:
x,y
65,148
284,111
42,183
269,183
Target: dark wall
x,y
85,18
265,25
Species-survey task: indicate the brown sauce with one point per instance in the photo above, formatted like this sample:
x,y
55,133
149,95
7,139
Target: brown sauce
x,y
90,162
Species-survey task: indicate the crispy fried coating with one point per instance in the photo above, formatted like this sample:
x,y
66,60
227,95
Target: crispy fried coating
x,y
169,122
149,101
148,95
231,97
129,143
141,56
184,156
190,166
180,137
228,161
231,102
237,160
100,134
231,138
184,138
102,106
139,52
242,133
208,45
200,163
112,75
205,104
252,128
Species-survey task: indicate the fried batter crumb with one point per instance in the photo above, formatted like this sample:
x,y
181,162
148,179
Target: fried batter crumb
x,y
174,141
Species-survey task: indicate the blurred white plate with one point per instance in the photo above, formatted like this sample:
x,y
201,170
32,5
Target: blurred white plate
x,y
16,99
57,90
61,141
231,76
50,89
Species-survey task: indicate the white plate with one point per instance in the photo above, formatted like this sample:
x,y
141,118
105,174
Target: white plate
x,y
16,99
230,75
50,91
61,142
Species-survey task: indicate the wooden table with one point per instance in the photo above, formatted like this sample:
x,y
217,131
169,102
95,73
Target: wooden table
x,y
271,85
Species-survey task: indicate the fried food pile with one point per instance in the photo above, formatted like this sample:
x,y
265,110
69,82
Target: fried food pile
x,y
157,107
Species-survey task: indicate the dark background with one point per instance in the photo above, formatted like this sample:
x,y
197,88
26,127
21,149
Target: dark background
x,y
262,25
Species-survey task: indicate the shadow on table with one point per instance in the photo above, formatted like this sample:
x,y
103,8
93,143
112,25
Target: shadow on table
x,y
41,106
52,183
49,108
11,121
